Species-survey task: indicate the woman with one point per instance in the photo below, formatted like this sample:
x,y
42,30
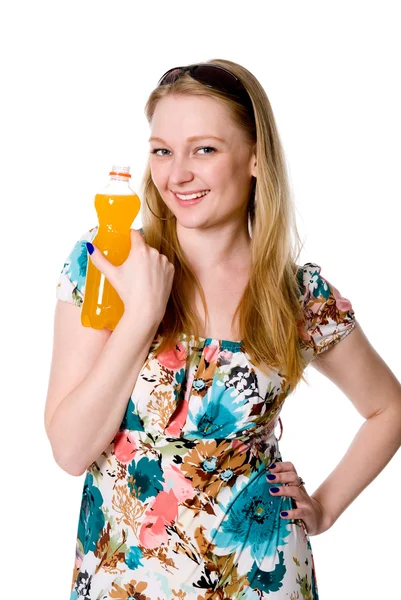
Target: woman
x,y
172,415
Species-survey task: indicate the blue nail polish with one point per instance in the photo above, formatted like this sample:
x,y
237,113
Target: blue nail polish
x,y
274,490
90,247
284,513
271,477
272,467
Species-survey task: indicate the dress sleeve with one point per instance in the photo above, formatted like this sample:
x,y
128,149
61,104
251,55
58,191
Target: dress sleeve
x,y
329,317
71,282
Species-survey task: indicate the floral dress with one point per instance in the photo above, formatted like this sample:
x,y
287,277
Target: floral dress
x,y
178,505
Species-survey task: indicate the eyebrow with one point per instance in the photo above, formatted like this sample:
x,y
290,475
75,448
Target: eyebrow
x,y
191,139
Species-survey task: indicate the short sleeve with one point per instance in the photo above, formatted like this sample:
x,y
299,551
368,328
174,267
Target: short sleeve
x,y
71,282
329,317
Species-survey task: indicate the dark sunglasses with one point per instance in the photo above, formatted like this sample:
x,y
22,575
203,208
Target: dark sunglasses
x,y
212,76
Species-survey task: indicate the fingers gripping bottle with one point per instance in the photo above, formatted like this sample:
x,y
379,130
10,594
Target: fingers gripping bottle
x,y
116,205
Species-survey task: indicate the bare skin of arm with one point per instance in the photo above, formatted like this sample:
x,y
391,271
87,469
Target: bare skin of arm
x,y
93,373
358,370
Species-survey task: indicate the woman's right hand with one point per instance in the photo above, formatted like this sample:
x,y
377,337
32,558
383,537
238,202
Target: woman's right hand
x,y
143,281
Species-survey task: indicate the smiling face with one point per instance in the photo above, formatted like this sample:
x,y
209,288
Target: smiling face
x,y
178,164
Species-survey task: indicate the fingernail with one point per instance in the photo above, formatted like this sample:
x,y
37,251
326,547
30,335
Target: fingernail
x,y
274,490
272,467
271,477
90,247
284,513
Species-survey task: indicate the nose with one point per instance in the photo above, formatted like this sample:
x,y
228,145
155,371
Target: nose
x,y
180,171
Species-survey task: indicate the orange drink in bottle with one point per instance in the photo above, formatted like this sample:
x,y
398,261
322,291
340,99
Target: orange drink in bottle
x,y
117,206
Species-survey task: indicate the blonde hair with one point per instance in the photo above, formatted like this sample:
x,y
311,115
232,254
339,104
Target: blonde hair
x,y
269,313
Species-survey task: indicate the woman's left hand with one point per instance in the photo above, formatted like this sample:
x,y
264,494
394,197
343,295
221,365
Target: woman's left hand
x,y
308,509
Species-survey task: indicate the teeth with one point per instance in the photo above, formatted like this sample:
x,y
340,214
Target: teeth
x,y
192,196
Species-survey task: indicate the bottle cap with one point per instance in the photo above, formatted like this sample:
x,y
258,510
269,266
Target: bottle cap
x,y
118,171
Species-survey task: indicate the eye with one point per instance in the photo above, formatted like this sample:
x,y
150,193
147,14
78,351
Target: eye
x,y
207,148
156,150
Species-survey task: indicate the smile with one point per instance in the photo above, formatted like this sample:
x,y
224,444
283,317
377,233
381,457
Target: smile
x,y
191,196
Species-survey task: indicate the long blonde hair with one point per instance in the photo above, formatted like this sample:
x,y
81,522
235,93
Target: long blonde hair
x,y
269,313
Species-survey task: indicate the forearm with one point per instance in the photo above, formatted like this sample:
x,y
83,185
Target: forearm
x,y
87,420
375,443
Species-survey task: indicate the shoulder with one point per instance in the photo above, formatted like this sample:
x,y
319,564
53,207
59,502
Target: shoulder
x,y
328,316
71,281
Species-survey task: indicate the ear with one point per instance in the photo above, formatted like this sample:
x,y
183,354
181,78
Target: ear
x,y
254,163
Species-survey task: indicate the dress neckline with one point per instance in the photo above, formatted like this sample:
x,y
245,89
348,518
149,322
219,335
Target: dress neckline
x,y
228,344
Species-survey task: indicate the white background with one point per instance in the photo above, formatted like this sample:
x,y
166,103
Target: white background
x,y
75,79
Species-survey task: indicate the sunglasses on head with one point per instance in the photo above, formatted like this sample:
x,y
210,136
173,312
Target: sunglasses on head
x,y
212,76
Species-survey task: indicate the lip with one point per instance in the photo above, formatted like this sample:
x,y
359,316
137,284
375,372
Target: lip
x,y
189,193
188,203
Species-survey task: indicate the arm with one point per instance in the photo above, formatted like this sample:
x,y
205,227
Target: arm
x,y
101,371
356,368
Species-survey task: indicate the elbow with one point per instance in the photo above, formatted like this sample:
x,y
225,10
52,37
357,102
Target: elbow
x,y
66,461
69,466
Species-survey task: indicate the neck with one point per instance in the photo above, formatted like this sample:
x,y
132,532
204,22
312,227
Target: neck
x,y
215,250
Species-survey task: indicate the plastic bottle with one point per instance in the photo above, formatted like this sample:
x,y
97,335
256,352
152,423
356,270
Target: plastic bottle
x,y
116,205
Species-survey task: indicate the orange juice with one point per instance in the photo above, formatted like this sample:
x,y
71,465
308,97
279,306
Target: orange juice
x,y
116,206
